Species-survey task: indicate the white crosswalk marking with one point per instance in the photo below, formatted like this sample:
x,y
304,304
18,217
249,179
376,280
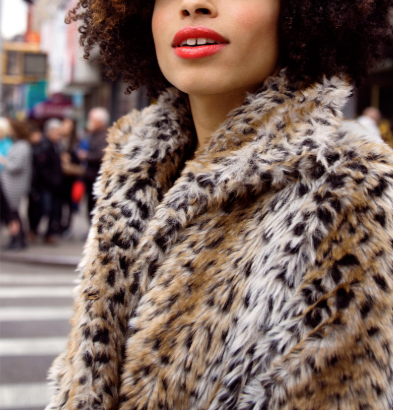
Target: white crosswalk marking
x,y
17,396
36,292
32,333
48,346
16,314
28,279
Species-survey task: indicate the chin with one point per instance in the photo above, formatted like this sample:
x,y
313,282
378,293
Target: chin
x,y
205,86
212,81
197,78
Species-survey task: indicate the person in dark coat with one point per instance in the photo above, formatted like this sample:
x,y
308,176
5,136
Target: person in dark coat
x,y
97,125
34,209
48,178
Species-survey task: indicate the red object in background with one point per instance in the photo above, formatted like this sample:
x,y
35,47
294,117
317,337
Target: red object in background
x,y
78,191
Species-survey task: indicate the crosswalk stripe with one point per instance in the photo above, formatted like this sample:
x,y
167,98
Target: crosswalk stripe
x,y
19,289
29,279
48,346
36,292
16,396
16,314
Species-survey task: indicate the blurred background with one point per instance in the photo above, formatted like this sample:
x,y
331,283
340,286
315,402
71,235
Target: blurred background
x,y
55,108
43,72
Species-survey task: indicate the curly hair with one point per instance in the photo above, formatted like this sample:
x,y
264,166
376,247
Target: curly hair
x,y
317,37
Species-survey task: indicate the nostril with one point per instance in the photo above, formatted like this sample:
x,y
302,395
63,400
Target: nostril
x,y
203,11
186,13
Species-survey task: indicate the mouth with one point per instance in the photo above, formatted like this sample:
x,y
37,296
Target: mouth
x,y
197,42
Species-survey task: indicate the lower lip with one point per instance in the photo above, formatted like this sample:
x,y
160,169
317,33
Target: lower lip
x,y
191,53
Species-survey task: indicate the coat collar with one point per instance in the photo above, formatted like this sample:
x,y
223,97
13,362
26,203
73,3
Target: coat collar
x,y
279,135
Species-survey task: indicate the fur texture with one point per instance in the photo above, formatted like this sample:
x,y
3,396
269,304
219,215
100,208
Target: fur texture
x,y
256,276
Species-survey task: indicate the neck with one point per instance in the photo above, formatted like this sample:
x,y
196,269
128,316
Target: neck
x,y
210,111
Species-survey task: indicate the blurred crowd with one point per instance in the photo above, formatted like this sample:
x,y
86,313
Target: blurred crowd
x,y
54,169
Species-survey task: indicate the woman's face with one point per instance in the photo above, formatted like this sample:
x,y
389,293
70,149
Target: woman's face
x,y
244,52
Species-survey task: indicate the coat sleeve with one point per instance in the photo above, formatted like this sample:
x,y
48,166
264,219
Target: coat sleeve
x,y
333,348
85,376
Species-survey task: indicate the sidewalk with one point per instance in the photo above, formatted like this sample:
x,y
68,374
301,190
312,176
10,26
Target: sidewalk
x,y
67,252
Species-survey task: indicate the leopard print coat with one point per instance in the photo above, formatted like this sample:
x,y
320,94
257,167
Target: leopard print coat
x,y
257,275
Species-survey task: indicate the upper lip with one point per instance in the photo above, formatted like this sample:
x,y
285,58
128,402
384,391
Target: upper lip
x,y
197,32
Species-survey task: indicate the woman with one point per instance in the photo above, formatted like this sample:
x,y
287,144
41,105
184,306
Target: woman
x,y
256,275
15,181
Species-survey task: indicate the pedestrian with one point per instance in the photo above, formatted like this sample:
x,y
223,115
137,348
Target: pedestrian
x,y
370,119
49,179
34,210
97,126
15,180
72,170
9,217
240,255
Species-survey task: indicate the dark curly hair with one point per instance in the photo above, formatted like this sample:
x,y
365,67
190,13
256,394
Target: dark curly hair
x,y
317,37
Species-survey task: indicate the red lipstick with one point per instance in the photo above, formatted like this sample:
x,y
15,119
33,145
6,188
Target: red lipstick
x,y
197,51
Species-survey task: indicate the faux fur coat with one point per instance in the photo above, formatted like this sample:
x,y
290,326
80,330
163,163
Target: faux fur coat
x,y
257,275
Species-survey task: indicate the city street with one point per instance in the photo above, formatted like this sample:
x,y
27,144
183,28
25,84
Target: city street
x,y
35,306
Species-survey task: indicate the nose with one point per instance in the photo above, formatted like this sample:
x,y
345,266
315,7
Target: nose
x,y
195,8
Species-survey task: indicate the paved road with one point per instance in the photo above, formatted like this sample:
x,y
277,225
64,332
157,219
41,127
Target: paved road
x,y
35,306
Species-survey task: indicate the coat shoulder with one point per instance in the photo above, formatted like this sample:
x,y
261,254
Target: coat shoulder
x,y
364,168
137,124
122,129
123,132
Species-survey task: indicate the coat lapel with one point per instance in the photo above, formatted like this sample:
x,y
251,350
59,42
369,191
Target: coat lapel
x,y
263,145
